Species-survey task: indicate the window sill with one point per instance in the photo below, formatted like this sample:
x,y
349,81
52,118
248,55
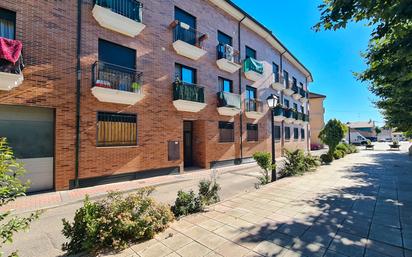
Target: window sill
x,y
116,147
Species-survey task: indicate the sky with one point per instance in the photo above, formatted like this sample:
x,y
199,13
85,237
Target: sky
x,y
331,56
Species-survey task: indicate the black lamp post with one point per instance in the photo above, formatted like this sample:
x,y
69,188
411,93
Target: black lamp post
x,y
272,102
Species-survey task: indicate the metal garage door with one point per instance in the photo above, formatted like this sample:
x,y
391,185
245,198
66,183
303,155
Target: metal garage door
x,y
30,132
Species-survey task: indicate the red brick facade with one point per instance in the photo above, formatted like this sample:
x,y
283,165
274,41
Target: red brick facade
x,y
48,32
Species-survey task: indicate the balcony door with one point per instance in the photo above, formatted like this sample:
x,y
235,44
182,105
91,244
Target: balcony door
x,y
187,29
185,74
188,143
251,99
116,54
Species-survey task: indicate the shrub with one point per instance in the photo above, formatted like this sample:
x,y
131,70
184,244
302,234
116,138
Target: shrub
x,y
11,173
344,148
264,160
326,158
208,192
295,163
353,148
115,221
338,154
332,134
186,203
311,161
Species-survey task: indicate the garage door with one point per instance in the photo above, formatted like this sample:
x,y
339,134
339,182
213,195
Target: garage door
x,y
30,132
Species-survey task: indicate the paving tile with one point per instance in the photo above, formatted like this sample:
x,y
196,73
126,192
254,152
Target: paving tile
x,y
267,248
293,229
228,232
348,244
407,238
176,241
125,253
386,234
407,253
386,220
308,249
230,249
213,254
143,246
173,255
321,238
280,239
375,247
210,240
330,253
156,250
359,227
210,224
193,249
247,240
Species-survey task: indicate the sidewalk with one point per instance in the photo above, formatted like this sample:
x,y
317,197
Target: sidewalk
x,y
55,199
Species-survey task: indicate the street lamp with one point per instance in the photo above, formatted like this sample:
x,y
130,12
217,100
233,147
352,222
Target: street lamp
x,y
272,102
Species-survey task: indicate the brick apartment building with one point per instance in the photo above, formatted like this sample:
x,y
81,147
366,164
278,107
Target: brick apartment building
x,y
118,89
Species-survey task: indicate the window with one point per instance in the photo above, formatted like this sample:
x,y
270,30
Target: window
x,y
225,85
286,78
250,52
295,82
295,106
7,24
302,134
185,17
296,133
251,99
301,85
223,38
116,54
116,129
275,69
252,132
302,109
286,102
277,132
287,133
185,74
187,35
226,131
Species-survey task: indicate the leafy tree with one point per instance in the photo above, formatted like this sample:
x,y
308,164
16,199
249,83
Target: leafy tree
x,y
11,187
378,130
264,160
333,132
389,53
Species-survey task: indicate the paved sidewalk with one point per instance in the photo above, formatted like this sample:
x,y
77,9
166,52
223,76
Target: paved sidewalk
x,y
358,206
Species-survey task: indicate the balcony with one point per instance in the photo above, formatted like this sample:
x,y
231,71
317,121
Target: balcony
x,y
227,58
253,69
287,89
277,83
187,41
116,84
305,118
123,16
188,97
279,114
288,113
254,109
295,116
228,103
296,95
300,118
11,75
304,95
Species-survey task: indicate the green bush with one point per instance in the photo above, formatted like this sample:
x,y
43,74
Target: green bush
x,y
295,163
114,222
338,154
209,192
186,203
333,132
353,148
11,187
326,158
344,148
264,160
312,162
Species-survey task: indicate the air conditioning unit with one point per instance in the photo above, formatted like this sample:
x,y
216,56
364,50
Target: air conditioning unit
x,y
230,53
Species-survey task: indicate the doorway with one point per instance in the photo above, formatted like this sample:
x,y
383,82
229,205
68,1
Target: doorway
x,y
188,143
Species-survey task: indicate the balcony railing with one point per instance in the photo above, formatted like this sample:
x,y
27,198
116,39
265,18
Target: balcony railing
x,y
305,117
288,113
188,92
295,114
13,68
279,111
227,99
295,88
302,92
253,105
251,64
116,77
223,52
131,9
300,116
188,34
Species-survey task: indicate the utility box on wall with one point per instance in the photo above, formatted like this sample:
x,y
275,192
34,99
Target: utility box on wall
x,y
173,150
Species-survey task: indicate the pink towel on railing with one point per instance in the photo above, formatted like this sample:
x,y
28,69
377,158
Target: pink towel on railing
x,y
10,50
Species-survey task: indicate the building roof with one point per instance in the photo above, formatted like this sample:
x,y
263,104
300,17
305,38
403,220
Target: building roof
x,y
243,17
316,95
362,124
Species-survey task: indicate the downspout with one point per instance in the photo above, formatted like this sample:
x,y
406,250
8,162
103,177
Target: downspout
x,y
307,111
78,92
282,139
240,91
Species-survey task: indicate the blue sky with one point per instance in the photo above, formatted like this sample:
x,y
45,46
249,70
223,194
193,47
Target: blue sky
x,y
331,56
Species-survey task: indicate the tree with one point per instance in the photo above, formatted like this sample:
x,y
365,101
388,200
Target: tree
x,y
333,132
378,130
264,160
388,57
11,172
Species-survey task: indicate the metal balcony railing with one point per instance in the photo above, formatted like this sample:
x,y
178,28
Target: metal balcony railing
x,y
287,113
253,105
294,114
279,111
188,35
13,68
188,92
251,64
116,77
131,9
223,52
295,88
302,92
227,99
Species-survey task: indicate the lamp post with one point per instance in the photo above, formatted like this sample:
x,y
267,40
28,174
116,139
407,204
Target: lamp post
x,y
272,102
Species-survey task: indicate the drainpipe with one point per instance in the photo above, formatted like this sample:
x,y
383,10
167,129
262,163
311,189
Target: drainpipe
x,y
240,91
307,111
282,139
78,83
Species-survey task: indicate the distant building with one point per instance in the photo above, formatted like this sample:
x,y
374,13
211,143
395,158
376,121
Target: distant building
x,y
316,120
365,128
385,135
398,136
